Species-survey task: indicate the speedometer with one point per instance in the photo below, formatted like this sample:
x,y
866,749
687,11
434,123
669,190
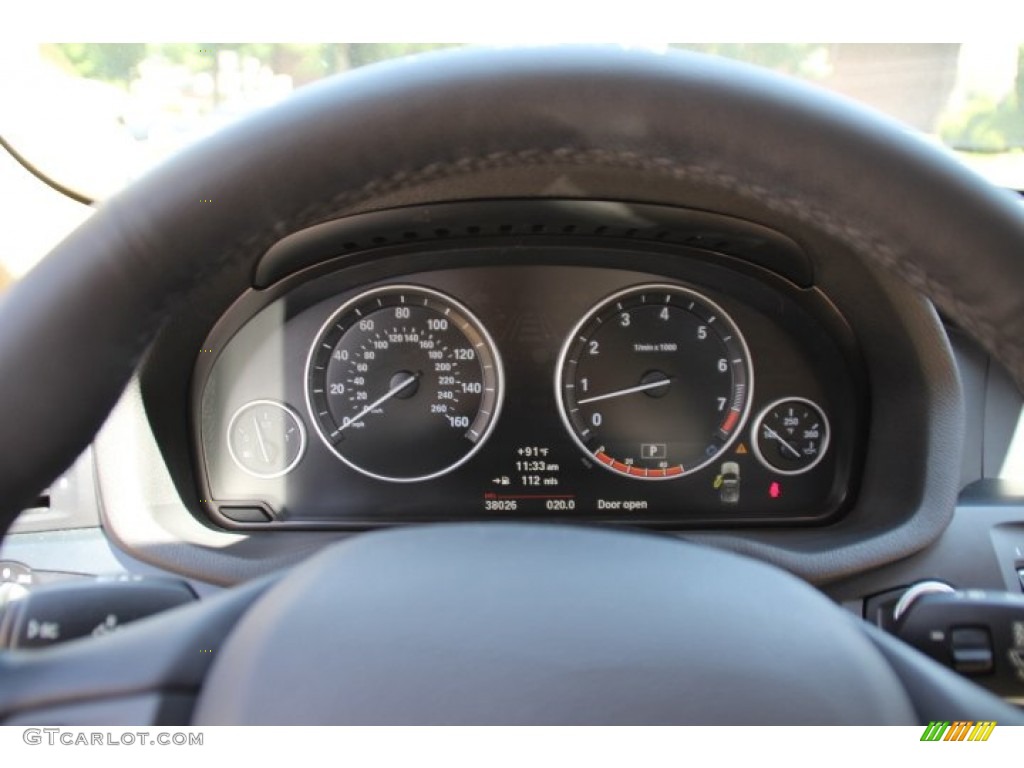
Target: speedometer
x,y
403,383
655,382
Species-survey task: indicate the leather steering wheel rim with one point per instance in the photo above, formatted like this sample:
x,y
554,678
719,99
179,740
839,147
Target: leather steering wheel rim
x,y
588,118
687,122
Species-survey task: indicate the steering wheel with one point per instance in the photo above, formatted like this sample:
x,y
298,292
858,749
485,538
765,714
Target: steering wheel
x,y
494,623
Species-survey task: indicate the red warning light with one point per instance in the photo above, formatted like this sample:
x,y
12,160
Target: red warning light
x,y
775,490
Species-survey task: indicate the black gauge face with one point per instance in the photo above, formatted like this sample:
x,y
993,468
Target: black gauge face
x,y
791,436
403,384
266,439
655,382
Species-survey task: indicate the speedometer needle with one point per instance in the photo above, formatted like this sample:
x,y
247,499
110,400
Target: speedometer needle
x,y
772,433
382,399
626,391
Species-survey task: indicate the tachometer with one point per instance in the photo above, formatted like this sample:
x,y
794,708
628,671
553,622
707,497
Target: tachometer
x,y
655,382
403,383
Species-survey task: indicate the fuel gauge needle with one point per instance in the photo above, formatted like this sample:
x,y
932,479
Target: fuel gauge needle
x,y
259,439
380,400
772,433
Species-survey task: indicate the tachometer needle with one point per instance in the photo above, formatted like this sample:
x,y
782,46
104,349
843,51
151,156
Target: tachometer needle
x,y
382,399
772,433
626,391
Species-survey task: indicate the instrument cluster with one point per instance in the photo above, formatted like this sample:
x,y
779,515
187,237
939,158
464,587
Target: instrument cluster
x,y
552,388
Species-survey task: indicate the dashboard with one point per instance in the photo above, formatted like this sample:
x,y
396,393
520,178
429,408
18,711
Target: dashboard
x,y
229,455
764,379
569,372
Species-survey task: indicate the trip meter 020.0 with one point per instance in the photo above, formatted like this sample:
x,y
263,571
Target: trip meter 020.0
x,y
403,383
655,382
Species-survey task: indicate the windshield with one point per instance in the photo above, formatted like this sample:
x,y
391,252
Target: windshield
x,y
94,116
101,114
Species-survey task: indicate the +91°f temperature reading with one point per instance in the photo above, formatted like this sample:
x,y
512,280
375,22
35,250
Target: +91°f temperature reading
x,y
404,384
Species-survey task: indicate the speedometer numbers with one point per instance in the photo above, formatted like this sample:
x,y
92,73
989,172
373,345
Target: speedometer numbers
x,y
655,382
403,384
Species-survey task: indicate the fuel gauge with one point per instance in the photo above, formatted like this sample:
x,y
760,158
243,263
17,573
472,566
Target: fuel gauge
x,y
791,436
266,438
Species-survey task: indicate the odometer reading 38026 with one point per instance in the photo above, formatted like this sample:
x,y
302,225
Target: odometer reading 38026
x,y
655,382
403,383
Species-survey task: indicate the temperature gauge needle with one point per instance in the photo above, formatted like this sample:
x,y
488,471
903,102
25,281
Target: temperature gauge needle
x,y
382,399
773,434
626,391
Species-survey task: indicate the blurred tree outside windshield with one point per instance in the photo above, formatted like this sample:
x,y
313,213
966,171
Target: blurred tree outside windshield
x,y
971,99
911,81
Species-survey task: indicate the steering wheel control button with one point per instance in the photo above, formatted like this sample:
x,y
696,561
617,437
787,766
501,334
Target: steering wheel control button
x,y
56,613
972,650
975,632
403,384
655,383
791,436
266,438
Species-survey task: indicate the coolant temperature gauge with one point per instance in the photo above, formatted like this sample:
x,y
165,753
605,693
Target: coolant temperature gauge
x,y
266,438
791,436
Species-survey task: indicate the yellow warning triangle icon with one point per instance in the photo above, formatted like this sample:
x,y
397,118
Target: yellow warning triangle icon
x,y
741,448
